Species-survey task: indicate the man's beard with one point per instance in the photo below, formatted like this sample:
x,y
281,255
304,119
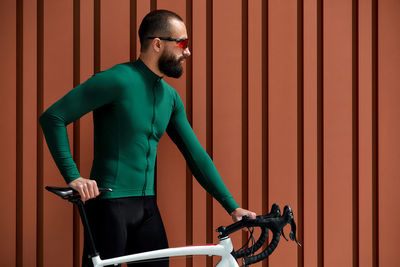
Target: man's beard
x,y
169,65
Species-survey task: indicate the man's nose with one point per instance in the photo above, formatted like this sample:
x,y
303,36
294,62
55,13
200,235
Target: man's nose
x,y
186,52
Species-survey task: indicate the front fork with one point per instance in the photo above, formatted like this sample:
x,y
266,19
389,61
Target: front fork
x,y
227,259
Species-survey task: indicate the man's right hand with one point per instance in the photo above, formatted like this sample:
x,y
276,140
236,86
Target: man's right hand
x,y
86,188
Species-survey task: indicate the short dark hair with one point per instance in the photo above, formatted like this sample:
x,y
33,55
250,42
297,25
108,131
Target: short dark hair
x,y
155,23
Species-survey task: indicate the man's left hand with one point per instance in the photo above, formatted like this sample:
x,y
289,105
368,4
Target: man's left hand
x,y
238,213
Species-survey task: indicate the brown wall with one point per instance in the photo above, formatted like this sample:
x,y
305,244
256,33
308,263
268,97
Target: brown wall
x,y
296,102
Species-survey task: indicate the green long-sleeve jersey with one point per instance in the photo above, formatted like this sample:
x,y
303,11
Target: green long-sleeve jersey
x,y
132,108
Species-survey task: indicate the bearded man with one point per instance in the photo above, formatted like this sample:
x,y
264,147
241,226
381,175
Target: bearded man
x,y
132,108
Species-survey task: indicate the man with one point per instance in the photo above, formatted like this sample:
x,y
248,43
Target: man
x,y
132,108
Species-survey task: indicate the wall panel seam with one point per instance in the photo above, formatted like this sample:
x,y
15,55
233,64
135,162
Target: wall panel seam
x,y
320,132
245,111
97,36
40,88
153,5
265,121
133,26
300,129
189,111
375,135
355,134
209,116
19,132
76,127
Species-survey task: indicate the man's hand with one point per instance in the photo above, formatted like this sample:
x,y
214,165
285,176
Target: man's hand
x,y
238,213
86,188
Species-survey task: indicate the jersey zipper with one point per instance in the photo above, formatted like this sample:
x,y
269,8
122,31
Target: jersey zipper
x,y
149,136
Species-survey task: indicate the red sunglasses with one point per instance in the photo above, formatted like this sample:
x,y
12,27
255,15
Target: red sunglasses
x,y
182,43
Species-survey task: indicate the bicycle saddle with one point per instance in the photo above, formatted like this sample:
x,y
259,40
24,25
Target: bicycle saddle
x,y
66,192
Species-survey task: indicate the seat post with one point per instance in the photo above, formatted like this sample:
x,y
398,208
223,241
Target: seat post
x,y
92,248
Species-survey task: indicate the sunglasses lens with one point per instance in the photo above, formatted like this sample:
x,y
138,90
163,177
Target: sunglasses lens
x,y
183,44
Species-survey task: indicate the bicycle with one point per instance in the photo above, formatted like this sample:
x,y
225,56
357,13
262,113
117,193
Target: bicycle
x,y
273,221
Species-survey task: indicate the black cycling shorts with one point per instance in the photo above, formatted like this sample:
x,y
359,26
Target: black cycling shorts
x,y
125,226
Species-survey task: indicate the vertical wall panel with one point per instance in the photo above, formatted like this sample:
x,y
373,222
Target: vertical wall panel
x,y
199,100
283,116
227,115
86,71
310,134
114,33
8,128
365,134
58,78
337,133
142,8
388,131
29,115
254,106
115,29
171,166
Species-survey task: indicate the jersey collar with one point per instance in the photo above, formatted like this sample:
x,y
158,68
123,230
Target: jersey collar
x,y
146,70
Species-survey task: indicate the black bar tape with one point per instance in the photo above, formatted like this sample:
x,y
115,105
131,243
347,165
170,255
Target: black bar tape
x,y
265,253
261,240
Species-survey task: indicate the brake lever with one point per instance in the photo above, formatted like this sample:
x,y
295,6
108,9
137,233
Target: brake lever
x,y
292,234
283,234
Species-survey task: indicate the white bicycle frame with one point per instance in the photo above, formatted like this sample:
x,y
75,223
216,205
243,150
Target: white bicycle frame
x,y
223,249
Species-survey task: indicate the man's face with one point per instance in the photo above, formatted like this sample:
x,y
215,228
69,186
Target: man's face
x,y
172,57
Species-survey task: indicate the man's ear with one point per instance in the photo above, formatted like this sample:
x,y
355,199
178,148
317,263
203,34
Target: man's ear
x,y
156,45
